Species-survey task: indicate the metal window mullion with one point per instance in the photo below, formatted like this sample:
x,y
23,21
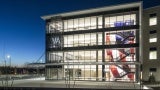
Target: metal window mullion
x,y
84,66
97,24
96,65
90,64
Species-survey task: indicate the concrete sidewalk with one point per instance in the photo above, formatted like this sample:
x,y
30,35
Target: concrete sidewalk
x,y
73,84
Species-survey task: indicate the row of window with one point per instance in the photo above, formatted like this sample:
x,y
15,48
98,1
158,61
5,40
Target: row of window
x,y
83,23
93,22
91,39
77,56
153,36
121,20
88,39
89,72
111,55
153,33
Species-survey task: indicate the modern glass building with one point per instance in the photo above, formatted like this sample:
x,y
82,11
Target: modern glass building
x,y
100,44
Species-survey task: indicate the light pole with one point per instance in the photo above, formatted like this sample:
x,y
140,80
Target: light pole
x,y
7,70
9,58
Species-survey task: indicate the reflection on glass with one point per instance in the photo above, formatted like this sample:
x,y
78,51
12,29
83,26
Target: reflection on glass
x,y
120,72
120,55
120,37
121,20
54,26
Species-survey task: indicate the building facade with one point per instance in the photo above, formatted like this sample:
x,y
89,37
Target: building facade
x,y
151,41
101,44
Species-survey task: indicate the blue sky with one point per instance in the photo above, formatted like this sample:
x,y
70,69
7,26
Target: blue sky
x,y
22,31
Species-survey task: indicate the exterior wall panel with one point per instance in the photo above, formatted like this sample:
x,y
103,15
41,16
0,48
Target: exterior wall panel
x,y
150,63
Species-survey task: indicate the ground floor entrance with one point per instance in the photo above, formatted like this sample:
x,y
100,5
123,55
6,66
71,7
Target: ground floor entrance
x,y
93,72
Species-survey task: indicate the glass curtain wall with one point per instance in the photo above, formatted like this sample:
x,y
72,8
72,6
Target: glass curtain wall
x,y
55,26
85,23
85,71
54,72
83,67
120,20
87,39
81,64
120,37
76,71
120,72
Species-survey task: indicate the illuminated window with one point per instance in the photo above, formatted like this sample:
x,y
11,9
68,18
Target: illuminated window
x,y
81,23
153,36
152,40
88,39
99,21
153,53
120,20
85,23
93,22
70,25
153,19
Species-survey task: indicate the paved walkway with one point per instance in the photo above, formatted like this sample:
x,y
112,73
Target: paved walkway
x,y
72,84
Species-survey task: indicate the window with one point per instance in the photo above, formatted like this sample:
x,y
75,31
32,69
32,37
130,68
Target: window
x,y
70,25
75,26
65,25
120,55
120,37
87,39
99,39
112,21
54,26
153,53
153,36
85,23
54,57
153,19
93,23
153,69
81,23
120,20
99,21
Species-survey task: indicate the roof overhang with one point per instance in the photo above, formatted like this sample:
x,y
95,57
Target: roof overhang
x,y
93,10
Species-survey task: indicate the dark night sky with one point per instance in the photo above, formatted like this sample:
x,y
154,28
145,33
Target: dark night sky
x,y
22,30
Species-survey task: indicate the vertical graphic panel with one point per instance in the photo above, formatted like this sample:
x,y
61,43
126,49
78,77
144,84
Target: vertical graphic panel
x,y
54,41
121,55
121,37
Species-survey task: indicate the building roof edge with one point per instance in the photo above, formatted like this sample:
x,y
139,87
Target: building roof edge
x,y
152,7
92,10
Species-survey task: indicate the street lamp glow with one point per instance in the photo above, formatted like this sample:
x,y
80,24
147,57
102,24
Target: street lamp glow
x,y
8,56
